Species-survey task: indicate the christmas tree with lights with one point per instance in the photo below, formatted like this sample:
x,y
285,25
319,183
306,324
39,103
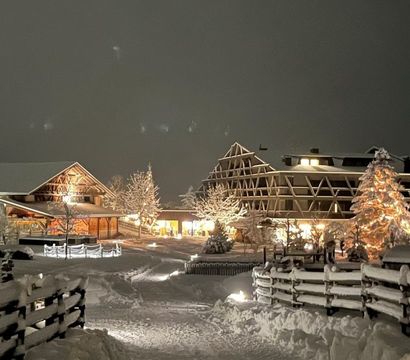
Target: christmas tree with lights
x,y
380,207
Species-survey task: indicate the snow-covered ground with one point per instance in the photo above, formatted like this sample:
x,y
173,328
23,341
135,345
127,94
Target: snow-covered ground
x,y
151,311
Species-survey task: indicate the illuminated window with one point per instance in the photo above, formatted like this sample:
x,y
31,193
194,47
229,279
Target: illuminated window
x,y
314,162
304,161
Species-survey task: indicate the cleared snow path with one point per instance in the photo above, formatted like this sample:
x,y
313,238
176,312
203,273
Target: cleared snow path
x,y
168,319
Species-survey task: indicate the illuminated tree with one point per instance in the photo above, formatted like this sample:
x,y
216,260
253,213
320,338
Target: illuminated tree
x,y
381,210
141,198
116,200
219,206
65,221
253,232
291,235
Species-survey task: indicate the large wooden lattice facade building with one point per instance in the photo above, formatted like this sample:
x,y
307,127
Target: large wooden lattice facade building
x,y
307,186
28,192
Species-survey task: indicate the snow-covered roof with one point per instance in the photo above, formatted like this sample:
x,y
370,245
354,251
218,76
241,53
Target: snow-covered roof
x,y
46,209
320,168
398,254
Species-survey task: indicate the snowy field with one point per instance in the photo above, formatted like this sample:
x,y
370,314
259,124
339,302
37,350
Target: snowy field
x,y
151,311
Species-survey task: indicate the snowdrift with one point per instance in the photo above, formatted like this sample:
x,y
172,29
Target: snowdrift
x,y
81,345
312,335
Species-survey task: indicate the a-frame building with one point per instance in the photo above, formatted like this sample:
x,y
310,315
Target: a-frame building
x,y
311,185
29,190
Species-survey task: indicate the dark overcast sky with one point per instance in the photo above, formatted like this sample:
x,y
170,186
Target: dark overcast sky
x,y
117,84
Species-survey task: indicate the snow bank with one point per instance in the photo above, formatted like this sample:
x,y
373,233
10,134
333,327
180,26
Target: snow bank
x,y
81,345
313,335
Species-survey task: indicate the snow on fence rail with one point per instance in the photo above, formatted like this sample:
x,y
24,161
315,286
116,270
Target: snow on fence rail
x,y
34,310
82,251
217,268
371,290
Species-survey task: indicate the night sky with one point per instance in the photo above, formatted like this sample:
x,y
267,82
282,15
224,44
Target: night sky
x,y
117,84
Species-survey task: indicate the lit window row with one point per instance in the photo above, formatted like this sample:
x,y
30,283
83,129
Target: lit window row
x,y
306,161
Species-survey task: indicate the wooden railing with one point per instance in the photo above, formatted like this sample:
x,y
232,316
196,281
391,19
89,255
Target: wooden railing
x,y
82,251
372,290
34,310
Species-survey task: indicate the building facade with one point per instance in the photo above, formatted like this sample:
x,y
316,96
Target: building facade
x,y
307,186
31,195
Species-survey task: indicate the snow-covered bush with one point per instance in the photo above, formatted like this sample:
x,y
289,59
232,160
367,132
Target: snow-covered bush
x,y
357,254
218,242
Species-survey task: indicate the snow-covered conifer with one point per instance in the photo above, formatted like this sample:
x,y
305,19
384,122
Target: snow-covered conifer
x,y
381,210
188,199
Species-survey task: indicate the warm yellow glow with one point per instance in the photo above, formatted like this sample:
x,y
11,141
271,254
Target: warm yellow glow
x,y
68,199
304,161
239,297
314,162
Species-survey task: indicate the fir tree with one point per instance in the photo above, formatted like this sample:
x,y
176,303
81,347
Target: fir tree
x,y
188,199
218,242
381,210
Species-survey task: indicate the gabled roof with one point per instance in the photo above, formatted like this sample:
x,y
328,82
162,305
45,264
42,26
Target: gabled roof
x,y
46,209
24,178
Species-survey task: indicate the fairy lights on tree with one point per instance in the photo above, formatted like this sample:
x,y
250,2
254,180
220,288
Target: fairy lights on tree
x,y
380,207
219,206
142,198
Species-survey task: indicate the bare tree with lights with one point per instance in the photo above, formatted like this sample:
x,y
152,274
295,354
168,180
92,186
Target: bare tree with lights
x,y
142,198
116,200
255,231
219,206
65,223
380,207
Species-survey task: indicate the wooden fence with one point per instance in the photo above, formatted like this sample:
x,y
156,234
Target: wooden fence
x,y
372,290
81,251
34,310
217,268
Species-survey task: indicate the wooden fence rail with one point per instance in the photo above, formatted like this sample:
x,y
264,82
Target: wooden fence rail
x,y
372,290
81,251
34,310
